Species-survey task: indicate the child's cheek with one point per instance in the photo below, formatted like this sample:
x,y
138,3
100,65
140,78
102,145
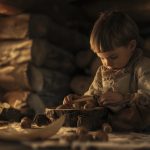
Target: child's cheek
x,y
103,63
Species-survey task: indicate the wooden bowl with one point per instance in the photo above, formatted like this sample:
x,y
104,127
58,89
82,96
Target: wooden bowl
x,y
92,119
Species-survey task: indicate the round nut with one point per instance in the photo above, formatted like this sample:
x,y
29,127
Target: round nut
x,y
81,130
25,122
107,128
100,136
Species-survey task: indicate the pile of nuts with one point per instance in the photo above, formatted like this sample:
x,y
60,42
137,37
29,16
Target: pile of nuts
x,y
83,135
39,120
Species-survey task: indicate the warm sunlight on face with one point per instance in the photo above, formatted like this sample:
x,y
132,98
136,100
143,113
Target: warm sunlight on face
x,y
117,58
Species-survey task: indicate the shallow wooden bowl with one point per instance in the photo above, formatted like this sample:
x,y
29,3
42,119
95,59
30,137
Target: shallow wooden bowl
x,y
92,119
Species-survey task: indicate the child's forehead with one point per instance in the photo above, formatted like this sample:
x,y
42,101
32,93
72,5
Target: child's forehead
x,y
107,54
116,51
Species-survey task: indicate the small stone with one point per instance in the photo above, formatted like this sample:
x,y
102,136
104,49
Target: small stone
x,y
26,122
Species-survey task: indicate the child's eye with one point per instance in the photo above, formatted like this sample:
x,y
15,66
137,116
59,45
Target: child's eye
x,y
113,57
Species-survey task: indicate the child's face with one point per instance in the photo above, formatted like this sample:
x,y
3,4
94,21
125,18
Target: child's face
x,y
117,58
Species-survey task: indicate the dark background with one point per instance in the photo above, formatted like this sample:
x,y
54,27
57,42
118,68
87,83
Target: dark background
x,y
66,24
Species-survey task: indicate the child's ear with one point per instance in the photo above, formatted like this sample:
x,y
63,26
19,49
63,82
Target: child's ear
x,y
132,45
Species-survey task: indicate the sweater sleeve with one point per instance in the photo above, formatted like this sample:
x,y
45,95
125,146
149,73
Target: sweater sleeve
x,y
96,86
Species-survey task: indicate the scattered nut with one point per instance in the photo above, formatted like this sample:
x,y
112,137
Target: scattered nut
x,y
107,128
81,131
100,136
25,122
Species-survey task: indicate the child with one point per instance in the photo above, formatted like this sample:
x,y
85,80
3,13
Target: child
x,y
123,81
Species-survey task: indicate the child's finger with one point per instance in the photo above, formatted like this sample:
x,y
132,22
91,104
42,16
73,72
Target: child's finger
x,y
66,100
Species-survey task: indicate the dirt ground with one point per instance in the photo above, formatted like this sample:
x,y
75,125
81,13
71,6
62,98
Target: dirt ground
x,y
117,141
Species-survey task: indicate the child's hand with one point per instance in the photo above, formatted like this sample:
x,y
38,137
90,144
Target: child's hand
x,y
110,98
69,98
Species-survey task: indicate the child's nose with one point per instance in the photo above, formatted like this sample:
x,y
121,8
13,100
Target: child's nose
x,y
108,63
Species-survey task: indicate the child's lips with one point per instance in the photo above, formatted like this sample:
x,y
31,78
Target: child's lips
x,y
116,68
109,67
113,68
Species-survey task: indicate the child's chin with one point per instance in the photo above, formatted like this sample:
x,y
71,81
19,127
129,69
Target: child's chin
x,y
116,68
